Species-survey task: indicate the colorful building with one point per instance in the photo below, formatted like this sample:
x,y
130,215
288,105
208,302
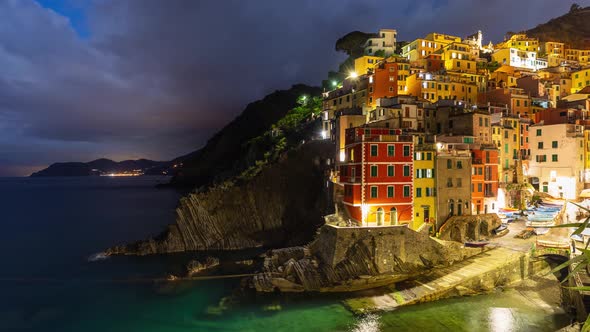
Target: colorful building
x,y
580,80
388,80
378,176
424,184
517,58
435,87
383,42
557,163
365,64
453,181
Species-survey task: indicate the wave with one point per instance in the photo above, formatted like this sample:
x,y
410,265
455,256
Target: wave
x,y
99,256
367,323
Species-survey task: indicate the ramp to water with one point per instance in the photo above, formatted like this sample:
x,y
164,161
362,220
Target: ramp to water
x,y
496,267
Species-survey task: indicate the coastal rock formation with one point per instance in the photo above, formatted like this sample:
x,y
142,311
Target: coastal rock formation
x,y
349,259
194,266
275,208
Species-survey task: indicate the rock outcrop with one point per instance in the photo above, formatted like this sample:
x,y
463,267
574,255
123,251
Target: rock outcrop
x,y
350,259
283,205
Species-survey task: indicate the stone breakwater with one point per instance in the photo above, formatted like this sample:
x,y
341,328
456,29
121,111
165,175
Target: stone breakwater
x,y
478,274
275,208
349,259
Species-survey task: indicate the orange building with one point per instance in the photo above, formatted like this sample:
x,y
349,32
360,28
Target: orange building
x,y
388,80
484,179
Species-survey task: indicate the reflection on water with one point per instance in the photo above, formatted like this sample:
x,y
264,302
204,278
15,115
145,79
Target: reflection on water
x,y
367,323
501,319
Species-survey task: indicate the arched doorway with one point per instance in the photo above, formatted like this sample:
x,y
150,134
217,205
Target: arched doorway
x,y
460,208
451,207
483,229
456,234
380,216
393,216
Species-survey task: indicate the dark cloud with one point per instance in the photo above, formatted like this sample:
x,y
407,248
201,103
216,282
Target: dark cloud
x,y
155,79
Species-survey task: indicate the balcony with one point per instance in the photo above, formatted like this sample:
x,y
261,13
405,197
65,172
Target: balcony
x,y
476,161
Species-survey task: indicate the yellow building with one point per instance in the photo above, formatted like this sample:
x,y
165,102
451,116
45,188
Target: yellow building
x,y
436,87
424,185
580,80
587,155
457,57
520,41
581,56
365,63
508,134
423,47
552,48
518,58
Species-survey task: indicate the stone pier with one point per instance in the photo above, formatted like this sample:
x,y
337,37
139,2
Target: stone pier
x,y
481,273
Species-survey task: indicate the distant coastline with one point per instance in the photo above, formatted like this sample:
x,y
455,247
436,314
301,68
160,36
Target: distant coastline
x,y
107,167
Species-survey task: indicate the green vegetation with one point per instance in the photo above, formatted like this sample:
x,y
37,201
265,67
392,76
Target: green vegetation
x,y
571,28
284,134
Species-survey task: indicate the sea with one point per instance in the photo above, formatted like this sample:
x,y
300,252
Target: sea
x,y
52,277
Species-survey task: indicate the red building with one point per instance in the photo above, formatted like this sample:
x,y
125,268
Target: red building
x,y
484,179
378,176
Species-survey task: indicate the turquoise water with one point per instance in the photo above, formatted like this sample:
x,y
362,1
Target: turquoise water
x,y
51,226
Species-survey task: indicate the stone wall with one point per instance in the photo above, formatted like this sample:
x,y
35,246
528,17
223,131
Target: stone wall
x,y
468,228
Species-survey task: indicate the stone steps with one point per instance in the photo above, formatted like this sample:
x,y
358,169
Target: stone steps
x,y
461,278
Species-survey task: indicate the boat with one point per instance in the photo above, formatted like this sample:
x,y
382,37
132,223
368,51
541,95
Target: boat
x,y
476,244
542,224
578,238
541,230
503,229
501,215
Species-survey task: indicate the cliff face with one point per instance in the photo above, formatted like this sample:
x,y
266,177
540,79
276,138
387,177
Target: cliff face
x,y
283,205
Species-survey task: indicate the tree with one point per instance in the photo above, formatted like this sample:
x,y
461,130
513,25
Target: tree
x,y
575,7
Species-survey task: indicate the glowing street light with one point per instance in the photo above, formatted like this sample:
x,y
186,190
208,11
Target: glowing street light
x,y
353,74
334,83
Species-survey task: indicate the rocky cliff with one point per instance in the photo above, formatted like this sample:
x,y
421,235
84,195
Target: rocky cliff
x,y
350,259
283,205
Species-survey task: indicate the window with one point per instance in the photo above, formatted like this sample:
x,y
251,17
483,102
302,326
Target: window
x,y
374,192
391,150
406,170
459,164
459,182
449,182
406,150
406,191
418,156
373,170
540,145
373,150
539,132
479,187
554,157
449,164
418,192
390,191
428,156
554,144
390,170
480,121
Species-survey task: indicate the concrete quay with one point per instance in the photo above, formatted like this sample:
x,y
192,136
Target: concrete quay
x,y
499,266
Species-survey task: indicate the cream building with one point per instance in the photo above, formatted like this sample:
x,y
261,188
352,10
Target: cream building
x,y
557,159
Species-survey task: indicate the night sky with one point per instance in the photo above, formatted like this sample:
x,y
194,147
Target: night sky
x,y
155,79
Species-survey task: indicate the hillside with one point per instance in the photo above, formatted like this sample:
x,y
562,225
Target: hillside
x,y
232,151
572,28
101,166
